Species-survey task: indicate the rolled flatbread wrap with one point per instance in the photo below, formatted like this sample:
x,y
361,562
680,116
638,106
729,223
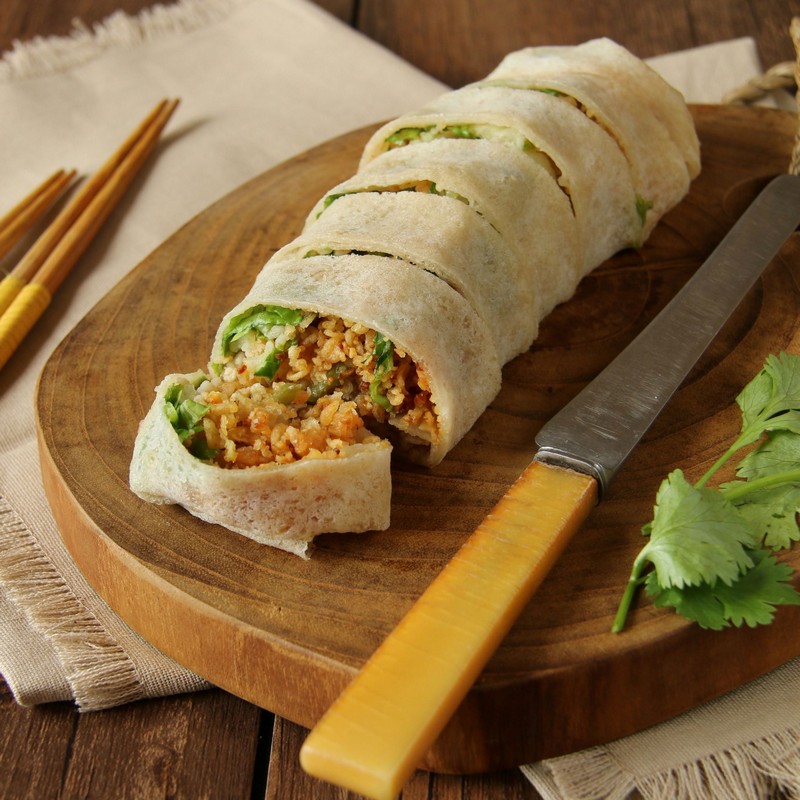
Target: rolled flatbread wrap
x,y
438,234
383,327
606,81
280,504
441,371
512,191
549,130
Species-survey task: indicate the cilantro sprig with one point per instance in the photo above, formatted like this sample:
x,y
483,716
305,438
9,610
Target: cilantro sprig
x,y
710,553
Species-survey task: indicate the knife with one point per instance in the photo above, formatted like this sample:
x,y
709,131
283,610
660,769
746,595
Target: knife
x,y
373,737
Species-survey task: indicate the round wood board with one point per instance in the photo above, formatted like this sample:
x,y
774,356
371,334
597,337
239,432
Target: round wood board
x,y
288,634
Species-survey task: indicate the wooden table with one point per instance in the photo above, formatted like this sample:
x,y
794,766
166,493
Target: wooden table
x,y
212,744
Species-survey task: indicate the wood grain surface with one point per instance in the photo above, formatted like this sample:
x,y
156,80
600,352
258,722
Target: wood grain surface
x,y
50,751
288,634
459,41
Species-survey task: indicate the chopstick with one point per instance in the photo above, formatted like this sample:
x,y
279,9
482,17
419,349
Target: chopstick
x,y
20,219
43,269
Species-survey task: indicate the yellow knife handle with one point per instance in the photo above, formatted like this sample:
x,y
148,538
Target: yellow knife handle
x,y
20,317
373,737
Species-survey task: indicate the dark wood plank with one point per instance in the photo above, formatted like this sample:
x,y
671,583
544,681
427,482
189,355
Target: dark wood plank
x,y
194,745
23,20
287,779
34,747
206,744
459,42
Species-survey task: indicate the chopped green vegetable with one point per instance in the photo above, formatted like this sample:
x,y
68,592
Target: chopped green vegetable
x,y
384,361
333,379
709,550
260,319
460,132
642,207
199,449
405,135
186,417
285,393
328,200
272,363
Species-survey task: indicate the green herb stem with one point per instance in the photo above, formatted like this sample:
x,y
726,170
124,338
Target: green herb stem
x,y
634,582
716,465
743,488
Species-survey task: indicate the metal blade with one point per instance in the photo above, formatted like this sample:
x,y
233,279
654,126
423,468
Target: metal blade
x,y
598,429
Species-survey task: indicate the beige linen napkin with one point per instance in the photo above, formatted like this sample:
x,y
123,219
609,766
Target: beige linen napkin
x,y
260,80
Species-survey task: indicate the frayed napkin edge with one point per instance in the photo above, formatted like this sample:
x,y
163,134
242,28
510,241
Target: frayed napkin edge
x,y
46,55
765,768
99,672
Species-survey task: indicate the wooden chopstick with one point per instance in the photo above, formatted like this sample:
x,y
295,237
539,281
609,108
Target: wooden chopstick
x,y
19,220
47,264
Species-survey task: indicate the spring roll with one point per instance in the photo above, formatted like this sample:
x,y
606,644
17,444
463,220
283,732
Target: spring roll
x,y
180,457
604,80
382,329
513,191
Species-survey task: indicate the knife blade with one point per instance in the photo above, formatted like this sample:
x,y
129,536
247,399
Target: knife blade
x,y
598,429
376,732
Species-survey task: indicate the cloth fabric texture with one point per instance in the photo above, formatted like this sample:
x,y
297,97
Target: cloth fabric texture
x,y
260,81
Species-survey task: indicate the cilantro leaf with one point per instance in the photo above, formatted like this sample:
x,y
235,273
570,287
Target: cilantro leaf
x,y
696,536
773,513
769,494
750,600
706,546
771,401
696,603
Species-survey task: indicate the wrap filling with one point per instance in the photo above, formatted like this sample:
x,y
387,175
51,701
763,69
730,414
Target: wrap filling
x,y
290,385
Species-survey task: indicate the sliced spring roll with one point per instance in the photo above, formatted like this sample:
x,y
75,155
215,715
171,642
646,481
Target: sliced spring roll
x,y
442,235
278,439
586,162
406,349
385,324
513,191
606,81
342,486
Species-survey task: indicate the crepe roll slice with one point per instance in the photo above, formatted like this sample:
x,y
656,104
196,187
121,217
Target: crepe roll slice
x,y
588,165
646,116
439,234
339,482
513,191
402,349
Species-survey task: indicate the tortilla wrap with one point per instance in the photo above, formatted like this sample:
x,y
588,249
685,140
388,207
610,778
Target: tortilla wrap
x,y
605,210
417,311
513,192
410,285
283,505
661,145
443,236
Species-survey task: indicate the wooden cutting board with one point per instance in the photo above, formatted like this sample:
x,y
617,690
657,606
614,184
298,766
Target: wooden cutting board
x,y
289,634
